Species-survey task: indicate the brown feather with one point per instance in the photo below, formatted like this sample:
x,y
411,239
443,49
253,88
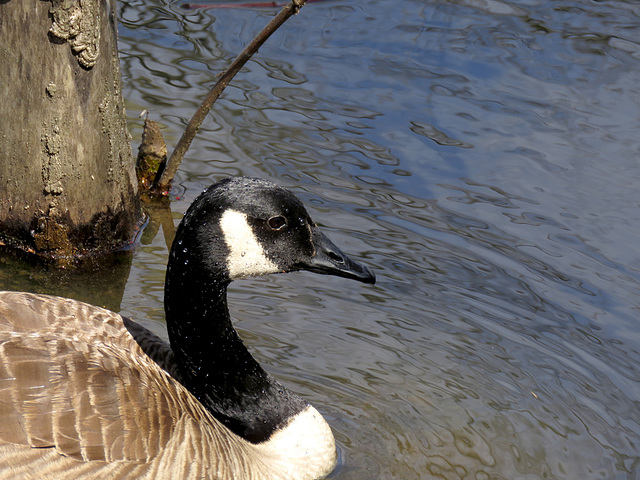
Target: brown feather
x,y
80,399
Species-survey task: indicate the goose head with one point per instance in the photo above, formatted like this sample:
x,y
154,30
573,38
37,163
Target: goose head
x,y
243,227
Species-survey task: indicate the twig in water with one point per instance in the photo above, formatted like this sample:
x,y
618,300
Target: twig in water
x,y
255,4
164,177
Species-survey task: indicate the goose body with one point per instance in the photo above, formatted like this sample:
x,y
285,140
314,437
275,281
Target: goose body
x,y
86,393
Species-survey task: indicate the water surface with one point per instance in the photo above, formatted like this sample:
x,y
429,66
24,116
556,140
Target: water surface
x,y
482,157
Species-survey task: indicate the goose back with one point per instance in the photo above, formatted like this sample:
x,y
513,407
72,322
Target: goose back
x,y
80,399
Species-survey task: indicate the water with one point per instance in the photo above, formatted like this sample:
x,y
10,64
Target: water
x,y
481,156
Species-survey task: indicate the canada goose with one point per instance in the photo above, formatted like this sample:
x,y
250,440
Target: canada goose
x,y
80,398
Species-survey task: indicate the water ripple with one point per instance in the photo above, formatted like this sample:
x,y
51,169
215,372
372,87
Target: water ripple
x,y
481,156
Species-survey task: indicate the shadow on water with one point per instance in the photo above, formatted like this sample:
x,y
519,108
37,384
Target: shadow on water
x,y
96,280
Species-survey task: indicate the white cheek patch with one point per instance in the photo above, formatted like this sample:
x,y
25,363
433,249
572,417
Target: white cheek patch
x,y
246,255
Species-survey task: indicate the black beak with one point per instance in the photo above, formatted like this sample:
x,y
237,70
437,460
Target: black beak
x,y
330,260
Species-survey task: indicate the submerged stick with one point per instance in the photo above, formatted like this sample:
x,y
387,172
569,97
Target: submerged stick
x,y
164,177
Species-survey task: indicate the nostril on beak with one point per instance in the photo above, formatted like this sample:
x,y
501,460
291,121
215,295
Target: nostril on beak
x,y
334,256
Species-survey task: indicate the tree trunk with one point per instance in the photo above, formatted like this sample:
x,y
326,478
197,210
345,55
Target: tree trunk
x,y
67,178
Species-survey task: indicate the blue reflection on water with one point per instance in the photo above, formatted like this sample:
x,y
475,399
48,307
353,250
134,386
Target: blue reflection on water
x,y
482,156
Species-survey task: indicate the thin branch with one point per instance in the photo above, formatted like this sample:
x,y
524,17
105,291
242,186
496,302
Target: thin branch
x,y
166,175
254,4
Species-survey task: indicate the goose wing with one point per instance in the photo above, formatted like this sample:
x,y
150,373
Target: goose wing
x,y
78,394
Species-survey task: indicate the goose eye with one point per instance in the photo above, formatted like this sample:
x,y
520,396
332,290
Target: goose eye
x,y
277,223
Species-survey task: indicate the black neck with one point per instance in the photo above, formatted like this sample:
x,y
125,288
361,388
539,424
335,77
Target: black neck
x,y
215,365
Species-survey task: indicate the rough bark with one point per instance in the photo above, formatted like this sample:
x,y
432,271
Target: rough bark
x,y
67,175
